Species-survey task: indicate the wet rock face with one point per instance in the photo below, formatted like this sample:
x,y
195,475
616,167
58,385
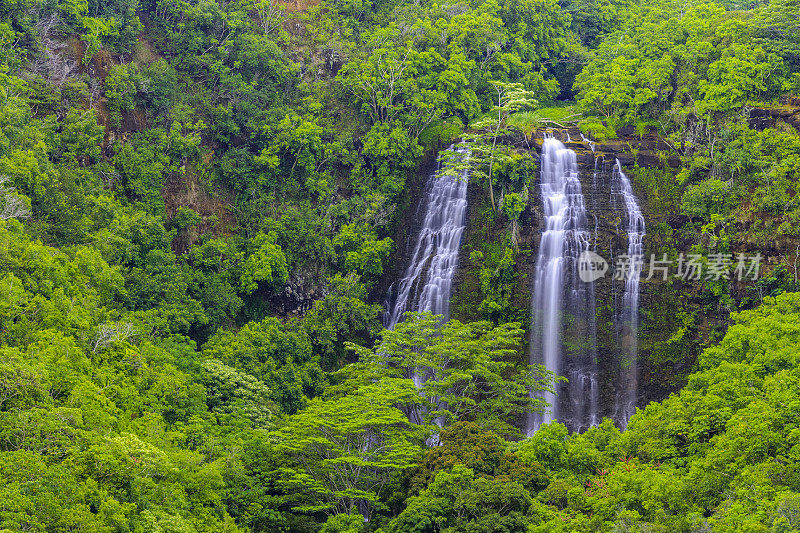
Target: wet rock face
x,y
606,216
661,366
297,297
630,148
788,112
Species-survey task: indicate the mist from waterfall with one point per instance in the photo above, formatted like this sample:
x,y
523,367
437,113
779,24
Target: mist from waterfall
x,y
427,282
627,315
563,306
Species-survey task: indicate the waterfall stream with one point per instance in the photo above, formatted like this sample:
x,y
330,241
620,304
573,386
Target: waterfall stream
x,y
563,309
563,314
627,316
427,282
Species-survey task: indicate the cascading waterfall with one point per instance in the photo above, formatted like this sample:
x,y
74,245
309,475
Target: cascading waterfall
x,y
591,146
627,317
427,282
563,326
563,336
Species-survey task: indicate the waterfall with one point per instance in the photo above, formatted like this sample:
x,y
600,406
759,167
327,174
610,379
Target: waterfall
x,y
627,317
563,306
427,282
591,146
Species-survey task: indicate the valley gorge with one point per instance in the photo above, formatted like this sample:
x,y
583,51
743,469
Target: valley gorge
x,y
591,340
394,266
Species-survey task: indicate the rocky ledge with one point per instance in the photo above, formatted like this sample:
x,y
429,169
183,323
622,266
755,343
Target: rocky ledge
x,y
648,150
788,112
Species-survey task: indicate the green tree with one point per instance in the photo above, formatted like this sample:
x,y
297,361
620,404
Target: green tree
x,y
266,263
232,392
277,355
457,500
464,368
341,316
510,97
349,448
386,85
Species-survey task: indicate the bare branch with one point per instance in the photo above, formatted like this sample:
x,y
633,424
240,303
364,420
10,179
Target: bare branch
x,y
112,333
12,205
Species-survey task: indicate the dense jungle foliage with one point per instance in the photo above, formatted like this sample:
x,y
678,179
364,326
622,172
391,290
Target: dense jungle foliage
x,y
199,208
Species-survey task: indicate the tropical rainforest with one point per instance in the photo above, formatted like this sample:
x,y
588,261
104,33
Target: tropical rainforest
x,y
203,202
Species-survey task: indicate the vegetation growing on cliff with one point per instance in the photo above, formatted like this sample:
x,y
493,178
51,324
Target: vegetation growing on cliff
x,y
200,205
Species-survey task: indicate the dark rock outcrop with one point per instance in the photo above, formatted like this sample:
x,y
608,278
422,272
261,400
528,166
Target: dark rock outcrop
x,y
788,112
648,150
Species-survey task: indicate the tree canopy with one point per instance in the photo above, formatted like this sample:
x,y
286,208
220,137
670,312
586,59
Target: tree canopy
x,y
204,204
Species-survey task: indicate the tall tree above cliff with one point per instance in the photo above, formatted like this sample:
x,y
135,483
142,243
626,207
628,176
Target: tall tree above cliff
x,y
510,97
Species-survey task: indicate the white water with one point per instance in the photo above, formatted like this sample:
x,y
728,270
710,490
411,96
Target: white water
x,y
591,145
427,282
558,292
628,315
